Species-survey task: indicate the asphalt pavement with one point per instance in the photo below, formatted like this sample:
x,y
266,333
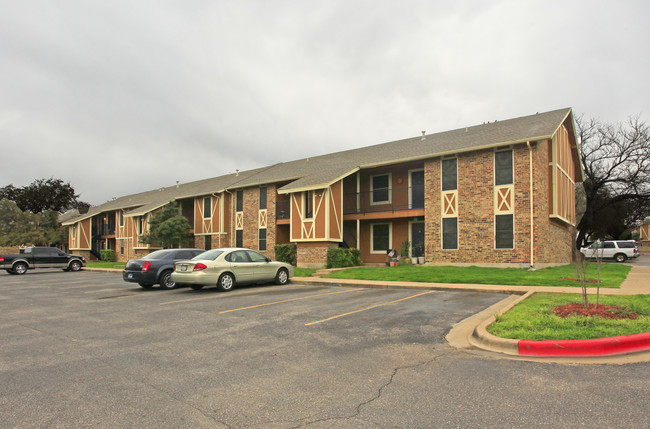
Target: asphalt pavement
x,y
88,350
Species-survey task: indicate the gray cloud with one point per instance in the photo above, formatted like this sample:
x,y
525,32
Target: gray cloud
x,y
120,97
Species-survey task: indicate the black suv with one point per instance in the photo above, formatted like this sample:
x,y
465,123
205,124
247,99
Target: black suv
x,y
156,267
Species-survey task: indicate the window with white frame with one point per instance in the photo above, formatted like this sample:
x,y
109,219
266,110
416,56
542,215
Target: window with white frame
x,y
380,237
262,198
262,240
504,237
503,173
207,207
308,204
380,189
450,233
449,174
239,201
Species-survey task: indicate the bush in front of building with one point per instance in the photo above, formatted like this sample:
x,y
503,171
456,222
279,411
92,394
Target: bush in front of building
x,y
286,253
341,258
107,255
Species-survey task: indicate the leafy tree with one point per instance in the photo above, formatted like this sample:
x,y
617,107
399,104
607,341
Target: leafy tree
x,y
19,227
168,228
616,164
42,195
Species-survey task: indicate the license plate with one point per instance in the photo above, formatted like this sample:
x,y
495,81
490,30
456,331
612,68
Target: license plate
x,y
183,267
130,275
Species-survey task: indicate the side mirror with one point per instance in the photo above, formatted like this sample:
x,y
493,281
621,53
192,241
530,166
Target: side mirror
x,y
268,260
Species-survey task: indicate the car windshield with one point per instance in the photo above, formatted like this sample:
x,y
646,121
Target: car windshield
x,y
158,254
209,255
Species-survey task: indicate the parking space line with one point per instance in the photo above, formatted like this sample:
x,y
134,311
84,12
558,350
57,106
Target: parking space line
x,y
287,300
255,306
367,308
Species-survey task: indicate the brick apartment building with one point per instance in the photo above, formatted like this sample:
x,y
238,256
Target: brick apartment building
x,y
497,193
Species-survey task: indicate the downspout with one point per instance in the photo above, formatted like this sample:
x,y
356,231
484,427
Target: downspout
x,y
532,220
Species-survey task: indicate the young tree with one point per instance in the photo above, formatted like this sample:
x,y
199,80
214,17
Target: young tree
x,y
168,228
616,164
42,195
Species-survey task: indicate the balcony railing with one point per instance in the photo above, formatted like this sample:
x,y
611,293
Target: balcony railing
x,y
384,200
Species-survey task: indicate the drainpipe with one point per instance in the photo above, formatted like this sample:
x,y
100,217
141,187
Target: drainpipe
x,y
532,219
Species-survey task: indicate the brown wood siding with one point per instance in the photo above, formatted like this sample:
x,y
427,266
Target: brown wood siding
x,y
336,211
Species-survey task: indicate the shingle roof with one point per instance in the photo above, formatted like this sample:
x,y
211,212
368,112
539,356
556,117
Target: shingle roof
x,y
323,170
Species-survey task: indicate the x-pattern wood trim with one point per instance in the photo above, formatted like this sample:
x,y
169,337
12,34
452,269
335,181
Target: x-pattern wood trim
x,y
261,221
450,204
504,200
239,220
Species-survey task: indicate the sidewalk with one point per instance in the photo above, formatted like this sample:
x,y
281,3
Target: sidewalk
x,y
471,333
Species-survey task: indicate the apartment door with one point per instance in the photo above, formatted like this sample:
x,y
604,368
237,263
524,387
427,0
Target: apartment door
x,y
417,239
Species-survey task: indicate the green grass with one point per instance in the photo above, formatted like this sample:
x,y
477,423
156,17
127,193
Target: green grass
x,y
303,272
533,319
611,275
101,264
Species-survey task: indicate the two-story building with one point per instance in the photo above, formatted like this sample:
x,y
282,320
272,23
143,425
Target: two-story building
x,y
496,193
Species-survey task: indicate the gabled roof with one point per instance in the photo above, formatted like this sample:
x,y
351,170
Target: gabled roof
x,y
321,171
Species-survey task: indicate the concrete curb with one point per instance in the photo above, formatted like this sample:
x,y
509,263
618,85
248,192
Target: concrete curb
x,y
597,347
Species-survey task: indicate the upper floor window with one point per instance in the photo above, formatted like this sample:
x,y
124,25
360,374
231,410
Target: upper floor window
x,y
262,197
239,203
207,207
308,204
503,174
450,174
121,218
380,189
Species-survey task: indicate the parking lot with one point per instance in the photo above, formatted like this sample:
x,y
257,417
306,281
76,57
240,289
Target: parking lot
x,y
88,350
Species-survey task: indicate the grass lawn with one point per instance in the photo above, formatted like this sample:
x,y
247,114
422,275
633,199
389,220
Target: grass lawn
x,y
101,264
303,272
611,275
533,319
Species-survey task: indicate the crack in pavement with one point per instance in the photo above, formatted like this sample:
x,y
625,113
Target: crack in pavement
x,y
442,353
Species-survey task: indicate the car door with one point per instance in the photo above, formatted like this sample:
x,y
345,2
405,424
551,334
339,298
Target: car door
x,y
608,250
264,271
241,266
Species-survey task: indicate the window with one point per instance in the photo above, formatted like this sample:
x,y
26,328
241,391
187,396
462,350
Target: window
x,y
503,168
238,256
207,207
380,236
121,218
450,233
262,197
208,242
450,174
121,247
308,205
256,257
504,231
239,238
262,240
380,189
140,225
240,201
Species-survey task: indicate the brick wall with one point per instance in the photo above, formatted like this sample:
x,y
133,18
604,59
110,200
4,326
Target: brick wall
x,y
251,219
313,254
476,212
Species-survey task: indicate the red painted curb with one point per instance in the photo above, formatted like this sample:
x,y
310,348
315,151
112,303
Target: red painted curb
x,y
597,347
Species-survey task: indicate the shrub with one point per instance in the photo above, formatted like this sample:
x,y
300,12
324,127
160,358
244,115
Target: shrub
x,y
107,255
341,258
286,253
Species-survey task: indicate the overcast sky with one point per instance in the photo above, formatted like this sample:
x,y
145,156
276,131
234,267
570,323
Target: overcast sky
x,y
119,97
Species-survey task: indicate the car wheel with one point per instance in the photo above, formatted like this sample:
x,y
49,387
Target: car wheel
x,y
20,268
146,285
620,257
226,282
75,266
282,277
196,287
166,281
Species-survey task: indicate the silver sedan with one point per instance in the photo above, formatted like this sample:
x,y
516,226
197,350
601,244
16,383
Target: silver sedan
x,y
230,266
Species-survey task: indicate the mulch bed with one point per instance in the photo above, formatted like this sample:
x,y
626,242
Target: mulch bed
x,y
604,311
